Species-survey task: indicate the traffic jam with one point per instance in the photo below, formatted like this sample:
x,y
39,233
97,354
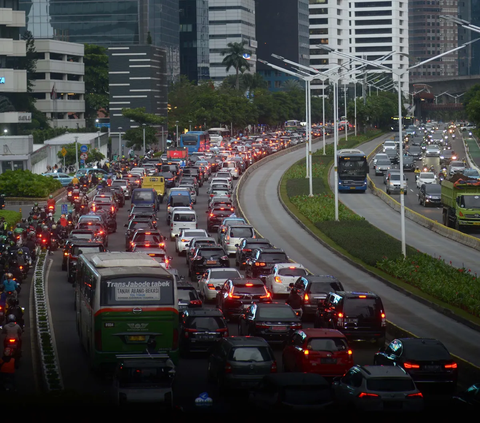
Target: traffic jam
x,y
265,329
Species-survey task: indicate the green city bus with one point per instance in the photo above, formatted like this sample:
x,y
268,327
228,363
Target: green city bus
x,y
124,301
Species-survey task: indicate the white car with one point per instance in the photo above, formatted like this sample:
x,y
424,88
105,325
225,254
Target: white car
x,y
185,236
282,275
426,178
214,278
389,145
379,156
432,151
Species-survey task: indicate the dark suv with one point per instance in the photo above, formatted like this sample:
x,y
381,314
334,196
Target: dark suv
x,y
187,296
200,329
359,315
246,247
263,260
315,288
75,248
216,215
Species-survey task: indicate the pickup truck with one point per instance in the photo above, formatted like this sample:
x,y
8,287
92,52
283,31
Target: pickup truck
x,y
461,202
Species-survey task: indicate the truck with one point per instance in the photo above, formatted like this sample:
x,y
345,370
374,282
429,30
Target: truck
x,y
177,154
460,197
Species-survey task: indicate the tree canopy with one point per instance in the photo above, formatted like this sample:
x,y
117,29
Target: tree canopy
x,y
234,58
96,82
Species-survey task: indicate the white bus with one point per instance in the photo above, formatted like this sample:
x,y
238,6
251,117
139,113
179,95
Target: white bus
x,y
216,135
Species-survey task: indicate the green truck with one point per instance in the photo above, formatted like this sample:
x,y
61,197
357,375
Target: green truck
x,y
461,202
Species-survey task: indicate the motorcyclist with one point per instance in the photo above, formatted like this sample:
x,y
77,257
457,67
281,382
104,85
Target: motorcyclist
x,y
7,368
11,285
17,311
75,180
31,245
63,221
46,236
12,330
51,202
294,299
35,209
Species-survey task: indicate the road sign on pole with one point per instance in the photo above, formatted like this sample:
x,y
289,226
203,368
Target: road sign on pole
x,y
84,156
64,151
64,208
84,148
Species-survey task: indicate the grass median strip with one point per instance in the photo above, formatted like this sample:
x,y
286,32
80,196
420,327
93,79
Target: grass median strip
x,y
421,274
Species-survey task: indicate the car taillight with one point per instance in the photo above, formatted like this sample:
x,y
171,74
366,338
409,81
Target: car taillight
x,y
384,320
367,395
260,264
12,340
196,302
273,367
306,298
417,395
278,279
451,366
230,295
350,352
228,368
267,295
340,319
211,286
261,326
247,250
211,214
223,331
411,366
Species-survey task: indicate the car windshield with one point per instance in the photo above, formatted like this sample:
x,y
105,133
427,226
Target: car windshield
x,y
225,274
362,307
433,189
242,232
210,252
427,175
143,196
457,164
324,287
385,384
471,172
186,294
181,200
283,312
87,249
82,236
327,344
249,290
206,323
139,225
119,183
190,234
184,217
383,162
273,257
258,354
145,237
292,271
428,351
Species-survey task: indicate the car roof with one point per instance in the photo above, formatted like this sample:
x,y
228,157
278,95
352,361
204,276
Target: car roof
x,y
355,294
245,341
270,250
288,265
295,379
243,281
320,333
320,278
383,371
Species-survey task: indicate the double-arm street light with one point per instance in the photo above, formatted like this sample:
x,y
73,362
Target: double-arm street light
x,y
439,95
399,73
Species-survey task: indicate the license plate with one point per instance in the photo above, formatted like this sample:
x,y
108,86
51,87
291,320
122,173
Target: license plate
x,y
352,187
352,320
279,328
393,405
211,262
476,223
137,338
432,368
328,360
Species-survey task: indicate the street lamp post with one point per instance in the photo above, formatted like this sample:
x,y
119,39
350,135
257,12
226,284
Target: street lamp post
x,y
345,101
190,125
439,95
98,140
176,133
144,147
119,142
76,153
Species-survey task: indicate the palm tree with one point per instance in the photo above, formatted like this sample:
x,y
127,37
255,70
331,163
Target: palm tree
x,y
291,85
234,59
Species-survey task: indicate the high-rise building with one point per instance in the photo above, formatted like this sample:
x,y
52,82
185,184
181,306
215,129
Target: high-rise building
x,y
369,29
194,53
429,36
282,28
58,85
469,57
231,21
108,23
13,80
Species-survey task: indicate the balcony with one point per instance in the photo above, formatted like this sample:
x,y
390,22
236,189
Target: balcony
x,y
60,66
14,48
61,106
44,86
12,18
13,81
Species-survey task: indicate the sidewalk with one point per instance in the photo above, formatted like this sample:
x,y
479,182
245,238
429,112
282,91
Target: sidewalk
x,y
473,149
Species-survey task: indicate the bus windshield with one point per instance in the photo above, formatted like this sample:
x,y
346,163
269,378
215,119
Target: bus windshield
x,y
354,167
190,139
137,290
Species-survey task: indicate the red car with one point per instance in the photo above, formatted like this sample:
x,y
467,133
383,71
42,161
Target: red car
x,y
322,351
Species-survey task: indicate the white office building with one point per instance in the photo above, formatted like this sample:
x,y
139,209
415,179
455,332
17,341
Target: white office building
x,y
230,21
59,88
367,28
12,80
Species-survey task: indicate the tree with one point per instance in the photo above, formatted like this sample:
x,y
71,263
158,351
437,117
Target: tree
x,y
96,82
291,85
234,59
134,136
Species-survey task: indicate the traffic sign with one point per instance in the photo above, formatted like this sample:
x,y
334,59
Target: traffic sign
x,y
82,161
84,156
64,208
84,148
64,151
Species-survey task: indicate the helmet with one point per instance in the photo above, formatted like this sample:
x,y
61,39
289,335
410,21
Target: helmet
x,y
45,227
20,252
24,220
9,276
54,227
35,205
50,215
11,318
50,196
9,233
18,225
62,216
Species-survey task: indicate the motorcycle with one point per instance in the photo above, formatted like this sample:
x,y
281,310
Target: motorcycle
x,y
53,244
50,209
14,346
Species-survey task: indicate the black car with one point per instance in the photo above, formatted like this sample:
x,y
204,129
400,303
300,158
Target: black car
x,y
415,151
236,294
133,225
358,315
193,171
75,248
169,179
263,260
392,155
274,322
200,329
215,217
187,296
427,361
315,288
206,257
446,156
430,195
246,247
109,211
146,237
119,194
408,163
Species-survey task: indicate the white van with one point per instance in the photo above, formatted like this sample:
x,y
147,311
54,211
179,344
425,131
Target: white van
x,y
182,219
234,235
232,168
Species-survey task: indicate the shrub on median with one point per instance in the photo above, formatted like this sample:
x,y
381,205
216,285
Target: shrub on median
x,y
23,183
11,217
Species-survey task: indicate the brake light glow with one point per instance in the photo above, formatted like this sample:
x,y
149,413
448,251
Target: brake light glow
x,y
230,295
278,279
273,368
260,264
411,366
384,320
340,319
451,366
362,296
350,352
211,286
366,395
416,395
12,340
